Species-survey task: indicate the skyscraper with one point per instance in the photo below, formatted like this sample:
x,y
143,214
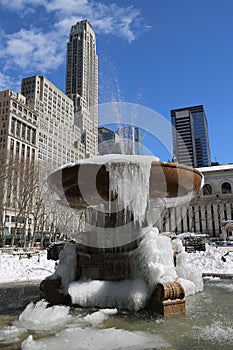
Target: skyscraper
x,y
190,136
82,82
59,140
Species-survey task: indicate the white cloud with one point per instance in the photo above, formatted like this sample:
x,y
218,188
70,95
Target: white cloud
x,y
19,5
68,7
106,18
7,82
41,50
33,50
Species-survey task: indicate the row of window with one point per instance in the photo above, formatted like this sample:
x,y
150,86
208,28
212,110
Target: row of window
x,y
21,220
23,131
225,188
22,150
22,110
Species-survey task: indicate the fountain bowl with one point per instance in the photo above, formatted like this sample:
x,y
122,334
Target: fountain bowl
x,y
167,181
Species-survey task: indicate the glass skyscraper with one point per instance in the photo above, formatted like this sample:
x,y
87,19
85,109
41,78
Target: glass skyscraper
x,y
190,136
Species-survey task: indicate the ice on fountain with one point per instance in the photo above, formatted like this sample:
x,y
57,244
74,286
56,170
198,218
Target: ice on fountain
x,y
66,269
115,158
129,179
152,263
154,259
125,294
128,175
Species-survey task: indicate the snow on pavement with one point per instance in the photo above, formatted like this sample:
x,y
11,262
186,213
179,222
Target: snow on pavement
x,y
212,260
14,269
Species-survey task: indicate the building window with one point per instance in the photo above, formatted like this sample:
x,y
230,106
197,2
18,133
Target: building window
x,y
17,148
23,131
12,146
28,133
18,125
28,152
226,187
33,136
207,189
23,151
13,126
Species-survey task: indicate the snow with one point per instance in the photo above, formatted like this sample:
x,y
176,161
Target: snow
x,y
66,268
125,294
216,168
211,260
13,268
154,259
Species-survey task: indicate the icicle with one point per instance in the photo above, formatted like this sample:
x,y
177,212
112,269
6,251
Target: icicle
x,y
129,179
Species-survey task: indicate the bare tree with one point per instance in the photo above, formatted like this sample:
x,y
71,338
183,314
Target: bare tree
x,y
23,186
4,164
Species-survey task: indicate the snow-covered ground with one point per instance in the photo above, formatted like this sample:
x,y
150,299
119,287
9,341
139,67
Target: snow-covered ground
x,y
15,269
213,260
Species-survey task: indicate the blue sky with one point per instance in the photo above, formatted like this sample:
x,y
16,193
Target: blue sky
x,y
162,54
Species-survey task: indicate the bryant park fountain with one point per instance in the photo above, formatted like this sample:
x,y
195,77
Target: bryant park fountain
x,y
121,260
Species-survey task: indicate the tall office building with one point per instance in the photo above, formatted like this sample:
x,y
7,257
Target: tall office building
x,y
82,82
59,139
18,157
190,136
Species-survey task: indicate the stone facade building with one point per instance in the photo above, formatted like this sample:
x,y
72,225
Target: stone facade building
x,y
59,139
18,158
210,211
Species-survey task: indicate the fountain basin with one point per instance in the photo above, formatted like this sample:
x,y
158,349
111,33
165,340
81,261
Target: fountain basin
x,y
167,181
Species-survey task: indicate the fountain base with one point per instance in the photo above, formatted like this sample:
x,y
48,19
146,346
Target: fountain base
x,y
98,279
172,303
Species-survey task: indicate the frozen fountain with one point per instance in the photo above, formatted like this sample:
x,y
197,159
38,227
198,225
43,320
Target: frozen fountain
x,y
120,259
